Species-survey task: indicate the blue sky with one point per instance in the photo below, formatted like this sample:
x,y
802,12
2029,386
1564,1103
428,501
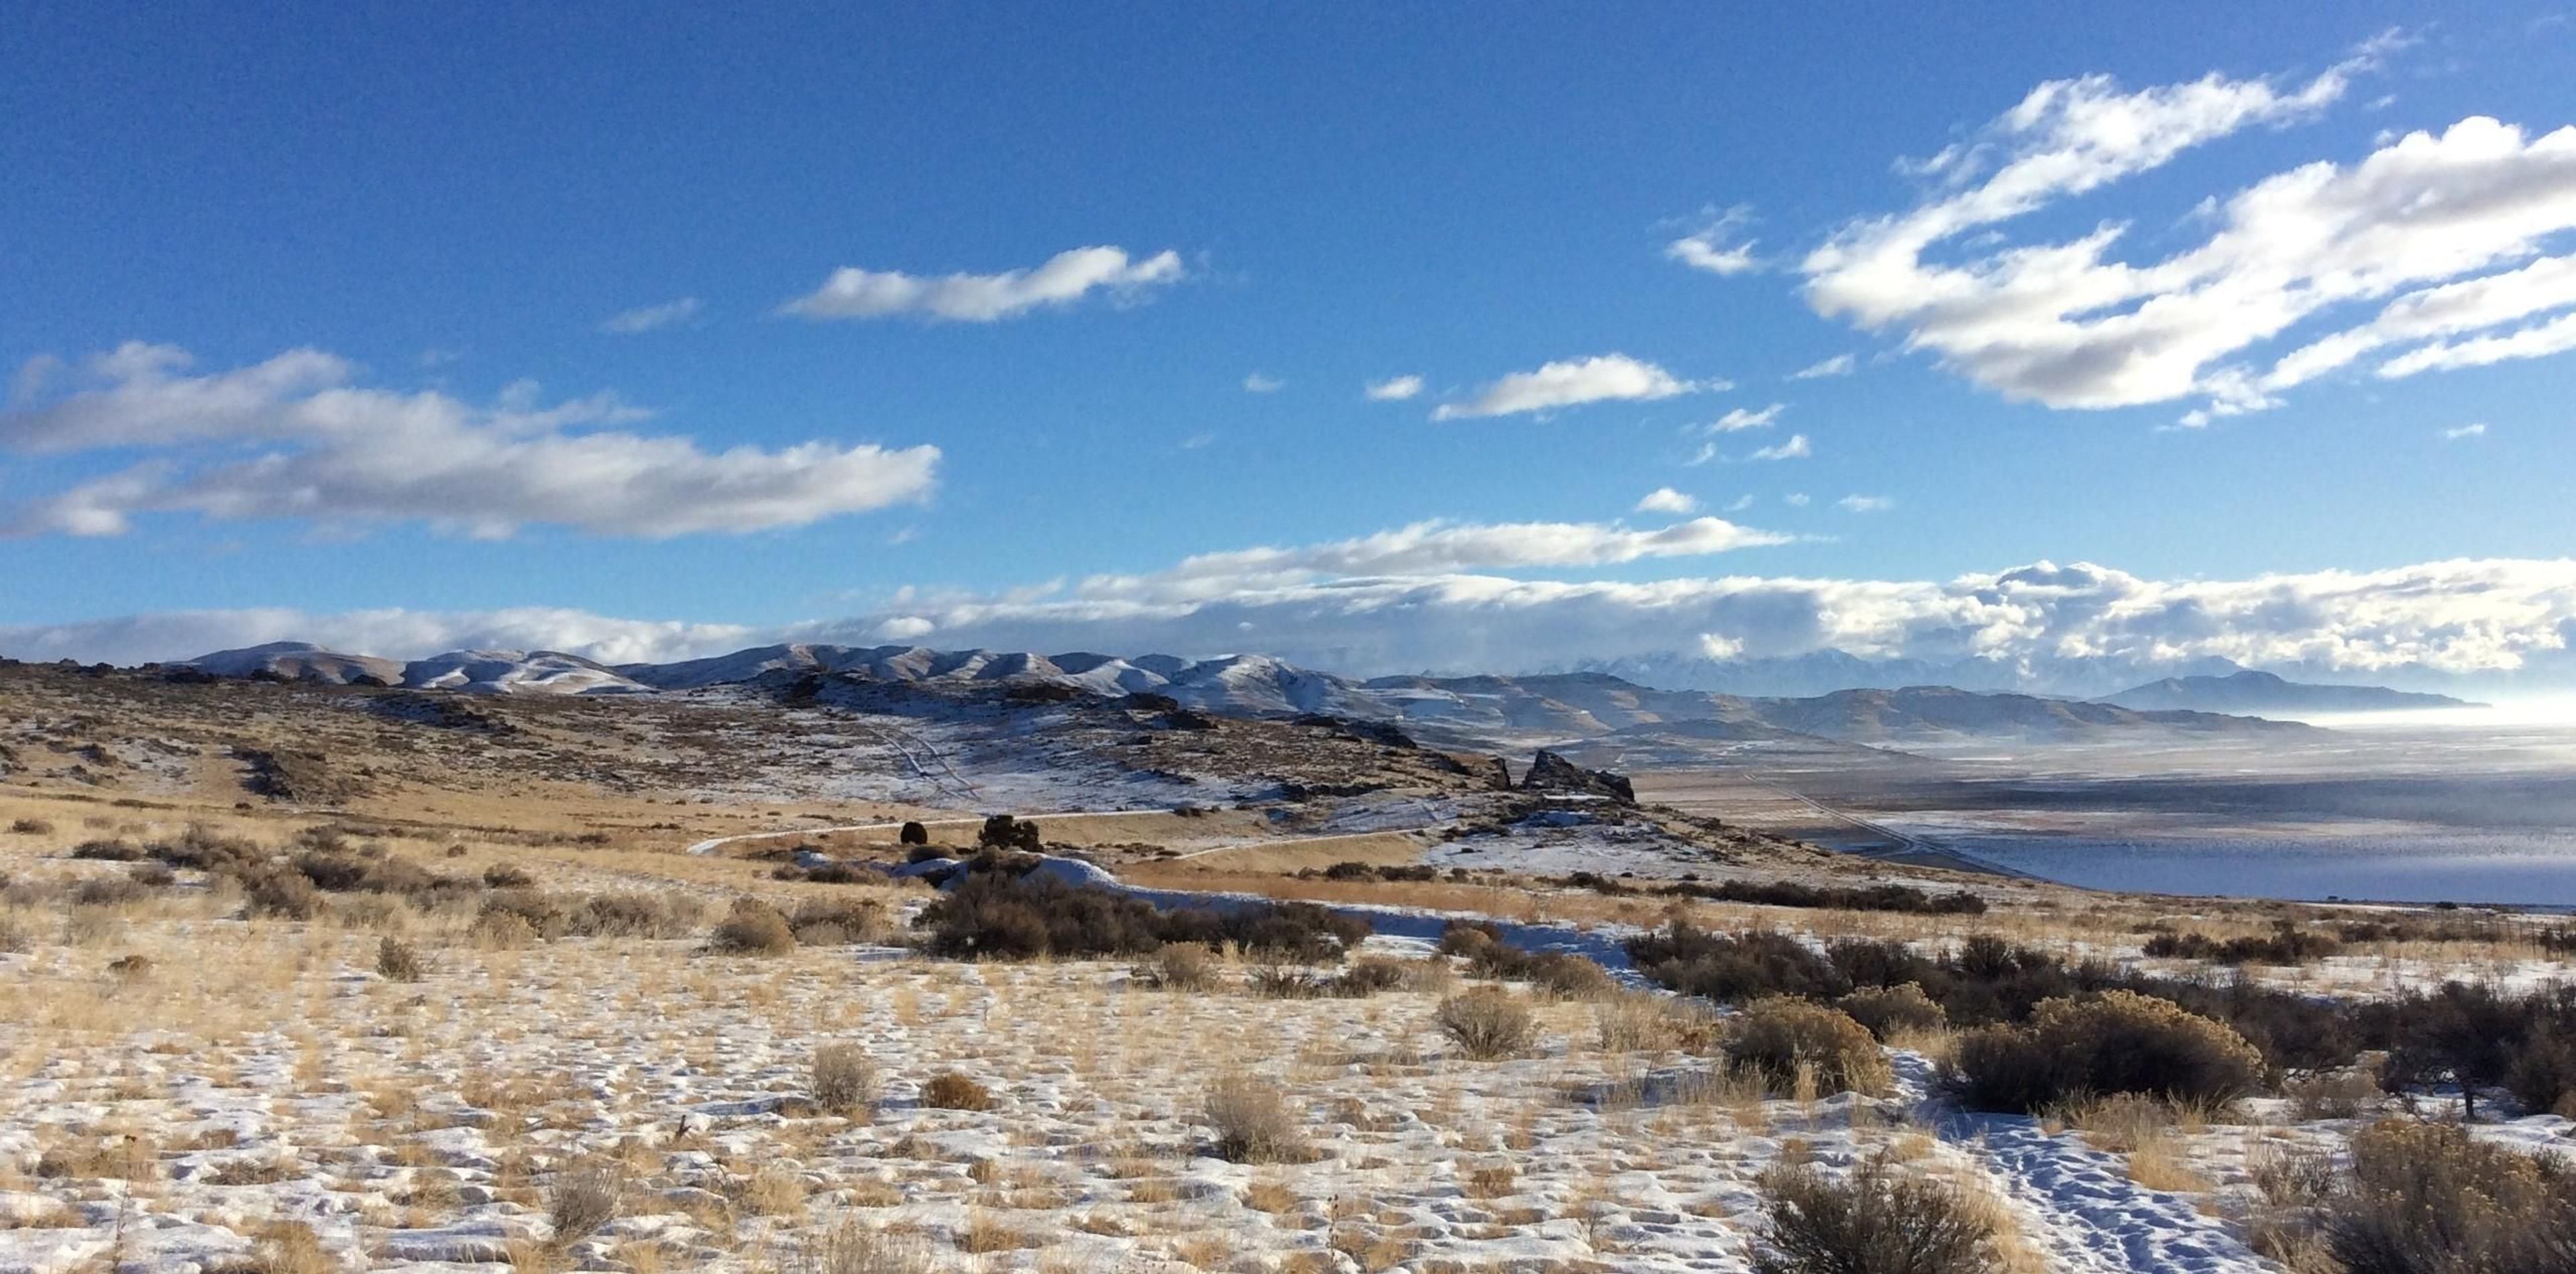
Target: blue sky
x,y
452,209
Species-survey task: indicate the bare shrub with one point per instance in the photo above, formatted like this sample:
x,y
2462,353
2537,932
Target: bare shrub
x,y
508,876
1253,1125
852,1248
1877,1220
634,915
1487,1023
2341,1094
2430,1199
832,922
1289,982
31,827
581,1200
1779,1038
1887,1012
14,936
501,931
399,961
1568,976
845,1080
954,1091
108,851
753,928
2114,1042
1182,966
284,894
1636,1021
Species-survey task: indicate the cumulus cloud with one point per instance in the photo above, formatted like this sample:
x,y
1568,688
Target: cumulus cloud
x,y
1796,448
1667,500
2458,432
1865,503
2450,617
330,451
651,317
2444,231
1739,418
1066,277
1570,383
1256,383
1718,247
1394,389
1838,365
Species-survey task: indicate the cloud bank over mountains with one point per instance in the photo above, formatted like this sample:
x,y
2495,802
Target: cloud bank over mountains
x,y
2487,621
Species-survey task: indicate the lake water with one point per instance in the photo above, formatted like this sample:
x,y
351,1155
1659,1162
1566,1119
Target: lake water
x,y
2521,869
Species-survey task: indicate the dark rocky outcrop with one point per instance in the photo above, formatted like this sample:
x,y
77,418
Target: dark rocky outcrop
x,y
1554,774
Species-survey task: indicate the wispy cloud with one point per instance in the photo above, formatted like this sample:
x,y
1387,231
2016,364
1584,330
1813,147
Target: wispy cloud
x,y
652,317
1719,247
1796,448
327,450
1256,383
2444,230
1394,388
1838,365
1865,503
1739,418
2458,432
1571,383
1067,277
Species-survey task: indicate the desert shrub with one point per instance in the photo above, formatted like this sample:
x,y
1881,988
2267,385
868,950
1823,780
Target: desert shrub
x,y
852,1248
1875,1221
1563,974
845,1080
1253,1124
2287,944
1734,967
752,928
545,916
633,916
153,876
580,1201
108,851
108,891
1634,1021
1001,831
333,871
1469,937
202,848
1487,1023
14,936
1289,982
950,1090
399,961
501,931
2430,1199
2104,1044
278,892
1777,1038
1372,974
1181,966
31,827
832,922
993,915
508,876
1887,1012
2480,1037
913,834
1788,893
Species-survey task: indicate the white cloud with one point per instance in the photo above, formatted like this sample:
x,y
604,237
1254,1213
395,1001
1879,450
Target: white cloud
x,y
2457,617
1718,247
338,454
2444,228
1838,365
1742,502
650,317
1866,503
1796,448
2478,430
1667,500
1429,548
1738,418
1570,383
1394,388
1256,383
1795,499
853,293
